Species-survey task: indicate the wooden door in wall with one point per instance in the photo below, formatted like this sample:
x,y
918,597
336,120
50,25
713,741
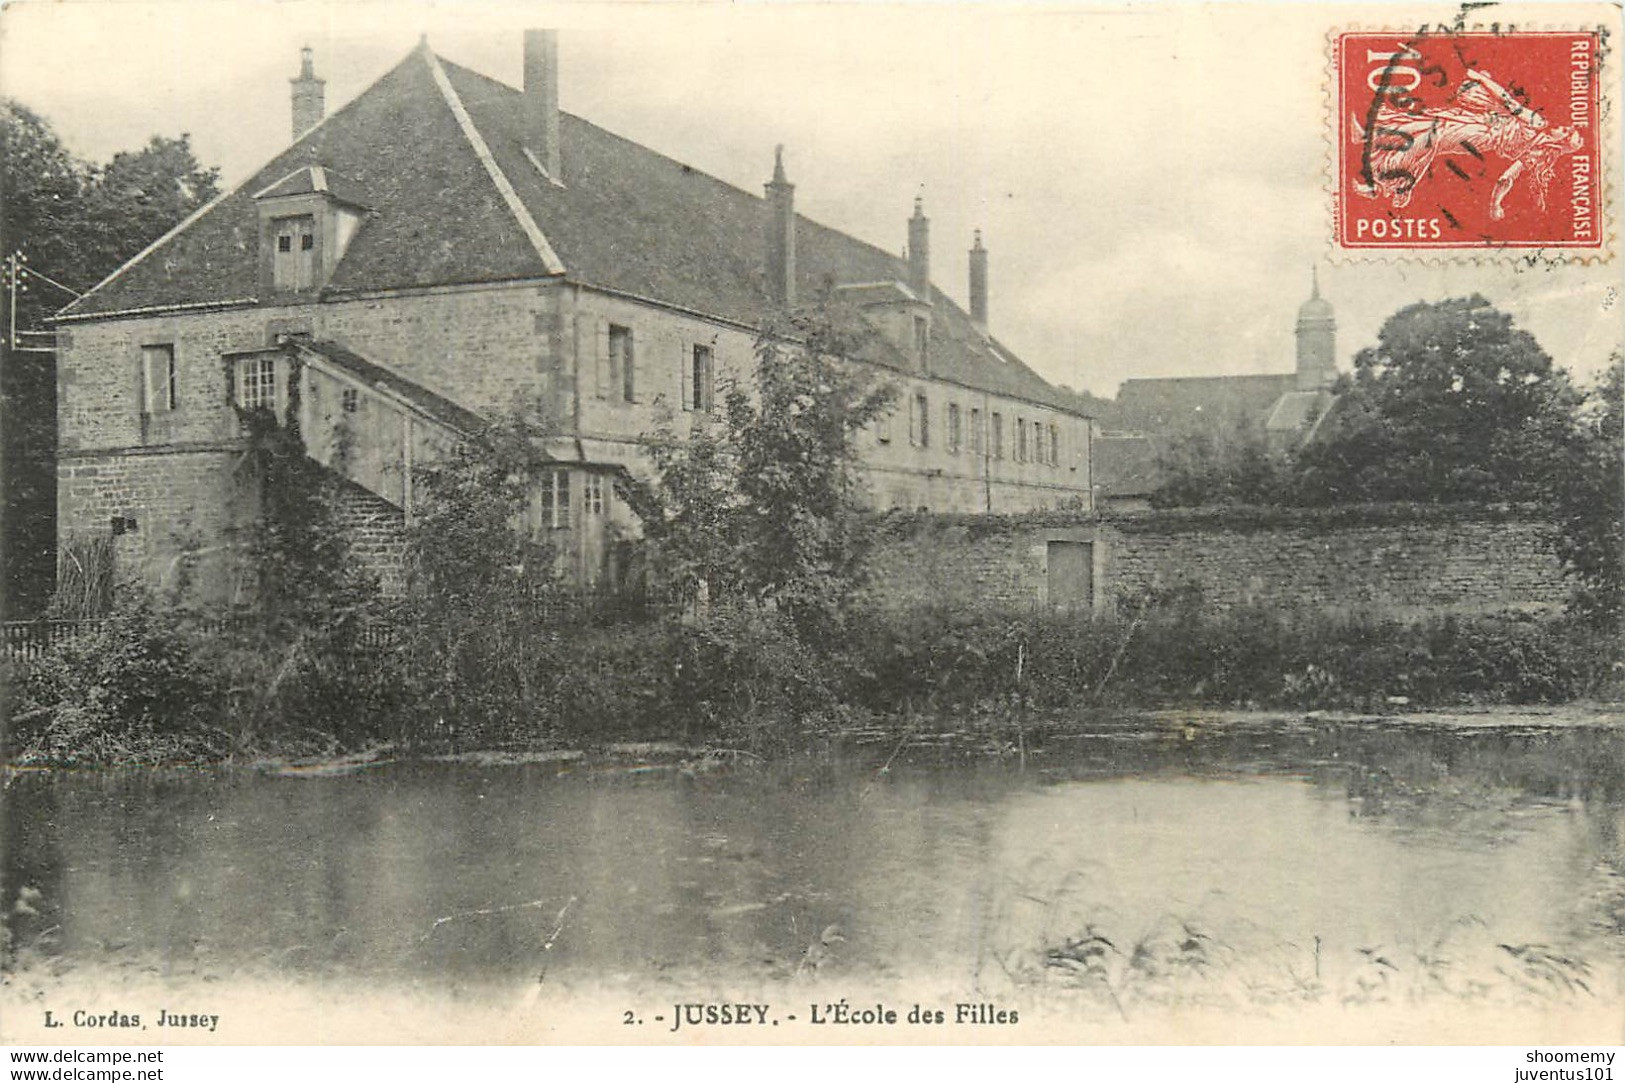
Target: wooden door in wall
x,y
1071,574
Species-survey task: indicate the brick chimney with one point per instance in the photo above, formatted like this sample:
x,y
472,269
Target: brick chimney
x,y
978,284
309,96
781,234
542,101
919,252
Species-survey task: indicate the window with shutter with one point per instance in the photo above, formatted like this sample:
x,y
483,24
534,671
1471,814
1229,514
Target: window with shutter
x,y
158,380
605,379
622,369
698,380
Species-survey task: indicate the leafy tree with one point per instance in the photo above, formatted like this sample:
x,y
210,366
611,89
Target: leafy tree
x,y
43,209
765,504
1590,502
75,223
1206,468
299,663
480,639
138,197
1453,403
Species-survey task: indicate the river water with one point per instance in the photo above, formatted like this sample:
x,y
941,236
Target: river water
x,y
1117,874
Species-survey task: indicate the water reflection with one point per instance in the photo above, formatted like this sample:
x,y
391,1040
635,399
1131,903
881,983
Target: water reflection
x,y
1194,865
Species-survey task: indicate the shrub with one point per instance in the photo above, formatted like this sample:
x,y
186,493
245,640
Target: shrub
x,y
129,689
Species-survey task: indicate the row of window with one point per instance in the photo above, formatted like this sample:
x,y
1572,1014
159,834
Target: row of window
x,y
617,372
1035,441
254,380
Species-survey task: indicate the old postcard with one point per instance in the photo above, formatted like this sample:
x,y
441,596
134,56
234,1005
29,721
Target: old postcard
x,y
812,524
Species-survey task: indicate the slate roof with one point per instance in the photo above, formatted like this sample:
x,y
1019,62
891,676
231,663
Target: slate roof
x,y
625,218
1297,412
1169,407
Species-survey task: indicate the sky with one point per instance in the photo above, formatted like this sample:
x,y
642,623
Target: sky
x,y
1150,180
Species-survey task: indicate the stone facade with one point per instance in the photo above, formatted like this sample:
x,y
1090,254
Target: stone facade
x,y
489,348
414,288
1404,562
173,513
171,470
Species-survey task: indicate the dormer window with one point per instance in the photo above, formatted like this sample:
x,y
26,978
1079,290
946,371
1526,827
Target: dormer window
x,y
307,220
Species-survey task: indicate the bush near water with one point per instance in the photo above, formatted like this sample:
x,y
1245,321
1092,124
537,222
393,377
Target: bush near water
x,y
159,687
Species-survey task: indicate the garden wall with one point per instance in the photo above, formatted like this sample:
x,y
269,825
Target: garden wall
x,y
1398,559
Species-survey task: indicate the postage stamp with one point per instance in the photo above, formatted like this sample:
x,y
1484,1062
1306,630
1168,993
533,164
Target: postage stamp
x,y
1470,140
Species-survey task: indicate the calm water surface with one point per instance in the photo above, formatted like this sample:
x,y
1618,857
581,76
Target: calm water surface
x,y
1331,862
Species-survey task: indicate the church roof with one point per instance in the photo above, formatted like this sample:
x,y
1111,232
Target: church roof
x,y
435,152
1297,411
1214,404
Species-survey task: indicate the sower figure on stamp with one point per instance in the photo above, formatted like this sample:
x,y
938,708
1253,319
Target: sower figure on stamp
x,y
1482,119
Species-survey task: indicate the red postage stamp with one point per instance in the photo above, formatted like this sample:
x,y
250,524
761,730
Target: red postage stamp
x,y
1469,140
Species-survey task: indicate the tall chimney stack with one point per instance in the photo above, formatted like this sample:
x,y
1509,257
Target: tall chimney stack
x,y
781,234
541,109
919,251
978,284
309,96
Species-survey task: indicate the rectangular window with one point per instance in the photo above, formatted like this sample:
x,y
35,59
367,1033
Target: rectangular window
x,y
998,435
556,499
256,383
953,428
699,382
293,265
351,398
883,428
978,442
1054,446
158,379
593,498
1021,439
920,430
622,366
922,336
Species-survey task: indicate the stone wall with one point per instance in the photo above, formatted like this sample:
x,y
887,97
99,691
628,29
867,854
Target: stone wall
x,y
376,532
178,510
1399,560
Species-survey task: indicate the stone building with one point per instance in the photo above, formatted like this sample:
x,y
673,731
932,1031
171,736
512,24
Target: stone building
x,y
444,246
1150,417
1283,407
